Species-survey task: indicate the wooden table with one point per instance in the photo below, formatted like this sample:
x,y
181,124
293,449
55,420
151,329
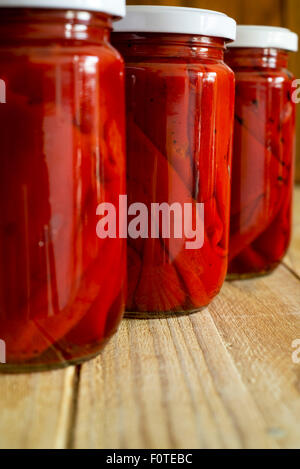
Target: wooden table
x,y
222,378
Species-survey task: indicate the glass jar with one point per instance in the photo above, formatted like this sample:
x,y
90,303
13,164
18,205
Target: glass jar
x,y
180,109
62,154
264,148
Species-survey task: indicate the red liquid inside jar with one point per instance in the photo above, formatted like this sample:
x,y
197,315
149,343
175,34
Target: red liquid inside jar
x,y
61,155
180,106
263,161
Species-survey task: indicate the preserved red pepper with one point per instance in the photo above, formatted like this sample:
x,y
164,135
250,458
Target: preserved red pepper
x,y
62,145
180,109
264,147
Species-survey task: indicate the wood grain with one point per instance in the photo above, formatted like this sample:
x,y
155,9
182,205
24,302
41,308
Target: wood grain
x,y
223,378
36,410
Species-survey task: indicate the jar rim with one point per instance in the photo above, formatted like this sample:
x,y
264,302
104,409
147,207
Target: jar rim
x,y
265,37
177,20
116,8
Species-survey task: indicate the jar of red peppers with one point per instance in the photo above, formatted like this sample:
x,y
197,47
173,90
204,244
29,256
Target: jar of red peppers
x,y
264,147
180,108
61,155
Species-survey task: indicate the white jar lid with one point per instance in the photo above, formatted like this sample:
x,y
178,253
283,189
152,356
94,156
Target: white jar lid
x,y
177,20
266,37
111,7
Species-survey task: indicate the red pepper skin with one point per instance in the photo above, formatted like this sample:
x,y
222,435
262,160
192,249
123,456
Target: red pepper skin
x,y
62,147
263,161
180,106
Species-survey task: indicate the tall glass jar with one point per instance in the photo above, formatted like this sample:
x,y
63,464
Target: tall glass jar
x,y
61,155
180,108
264,149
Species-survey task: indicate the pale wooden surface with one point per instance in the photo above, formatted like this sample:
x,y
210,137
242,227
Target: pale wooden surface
x,y
222,378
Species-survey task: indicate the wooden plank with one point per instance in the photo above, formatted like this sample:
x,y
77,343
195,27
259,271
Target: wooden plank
x,y
36,410
292,260
223,378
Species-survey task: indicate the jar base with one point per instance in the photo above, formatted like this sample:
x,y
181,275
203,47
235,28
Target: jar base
x,y
162,315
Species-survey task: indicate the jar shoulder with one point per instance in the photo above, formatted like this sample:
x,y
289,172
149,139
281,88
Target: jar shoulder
x,y
179,67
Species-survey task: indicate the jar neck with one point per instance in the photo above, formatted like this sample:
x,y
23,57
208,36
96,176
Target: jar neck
x,y
257,58
30,24
158,45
